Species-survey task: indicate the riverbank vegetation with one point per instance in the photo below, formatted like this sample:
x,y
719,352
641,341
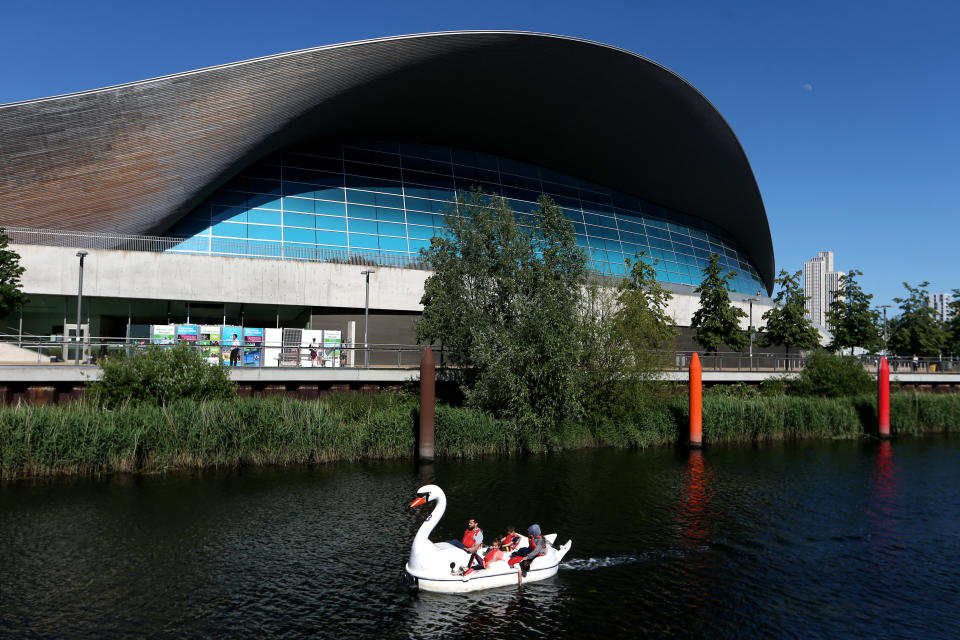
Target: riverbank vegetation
x,y
86,439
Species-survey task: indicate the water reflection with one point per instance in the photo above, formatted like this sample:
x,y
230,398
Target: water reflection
x,y
695,502
884,508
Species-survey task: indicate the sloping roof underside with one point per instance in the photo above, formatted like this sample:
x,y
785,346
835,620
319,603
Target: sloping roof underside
x,y
135,158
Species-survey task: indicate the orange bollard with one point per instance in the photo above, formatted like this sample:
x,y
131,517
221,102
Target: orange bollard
x,y
883,399
696,403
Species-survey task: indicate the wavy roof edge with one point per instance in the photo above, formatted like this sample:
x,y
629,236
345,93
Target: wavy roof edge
x,y
141,154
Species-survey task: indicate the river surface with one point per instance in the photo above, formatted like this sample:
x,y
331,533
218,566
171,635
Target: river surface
x,y
805,540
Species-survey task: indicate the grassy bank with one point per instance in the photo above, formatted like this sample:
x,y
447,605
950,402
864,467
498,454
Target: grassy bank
x,y
81,439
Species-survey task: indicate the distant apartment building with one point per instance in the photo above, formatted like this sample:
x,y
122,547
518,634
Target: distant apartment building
x,y
940,302
820,282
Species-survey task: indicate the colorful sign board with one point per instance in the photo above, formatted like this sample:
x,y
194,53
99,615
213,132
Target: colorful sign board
x,y
187,332
163,333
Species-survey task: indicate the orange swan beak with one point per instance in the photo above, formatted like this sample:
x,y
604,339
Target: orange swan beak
x,y
419,501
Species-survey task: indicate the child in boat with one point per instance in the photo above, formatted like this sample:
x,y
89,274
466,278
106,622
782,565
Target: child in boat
x,y
493,554
510,540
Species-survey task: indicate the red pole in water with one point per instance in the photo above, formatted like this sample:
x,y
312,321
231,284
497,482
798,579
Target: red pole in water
x,y
696,398
428,380
883,399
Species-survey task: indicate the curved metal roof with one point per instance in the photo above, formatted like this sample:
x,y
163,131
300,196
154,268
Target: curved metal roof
x,y
136,157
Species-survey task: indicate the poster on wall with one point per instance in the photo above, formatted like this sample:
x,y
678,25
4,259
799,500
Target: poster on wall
x,y
331,347
187,332
253,346
209,340
231,346
162,333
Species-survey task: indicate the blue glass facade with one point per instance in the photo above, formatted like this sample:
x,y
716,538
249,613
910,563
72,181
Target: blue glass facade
x,y
382,202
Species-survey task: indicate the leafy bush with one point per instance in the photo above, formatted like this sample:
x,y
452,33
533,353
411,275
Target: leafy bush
x,y
832,376
159,375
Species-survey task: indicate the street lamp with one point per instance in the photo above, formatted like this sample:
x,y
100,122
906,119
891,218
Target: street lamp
x,y
884,307
366,320
751,301
80,254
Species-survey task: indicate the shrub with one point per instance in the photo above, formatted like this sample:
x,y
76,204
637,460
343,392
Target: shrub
x,y
159,375
831,376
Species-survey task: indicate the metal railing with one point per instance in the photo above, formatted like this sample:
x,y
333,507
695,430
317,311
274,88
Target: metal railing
x,y
209,246
407,356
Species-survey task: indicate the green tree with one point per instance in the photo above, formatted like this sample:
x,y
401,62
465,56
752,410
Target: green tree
x,y
159,375
916,331
832,376
852,319
504,300
11,295
787,323
717,321
624,331
953,325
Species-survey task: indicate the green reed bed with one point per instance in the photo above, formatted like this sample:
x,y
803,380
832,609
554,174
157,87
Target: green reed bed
x,y
83,439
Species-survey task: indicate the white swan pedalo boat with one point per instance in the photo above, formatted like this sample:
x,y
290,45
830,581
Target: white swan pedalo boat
x,y
430,563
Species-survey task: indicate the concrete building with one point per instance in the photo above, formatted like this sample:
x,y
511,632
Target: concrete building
x,y
820,283
257,193
940,302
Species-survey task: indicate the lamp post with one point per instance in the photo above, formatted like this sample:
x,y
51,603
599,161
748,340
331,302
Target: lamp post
x,y
751,301
80,254
366,320
884,307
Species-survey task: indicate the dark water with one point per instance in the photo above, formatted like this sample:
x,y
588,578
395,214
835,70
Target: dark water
x,y
811,540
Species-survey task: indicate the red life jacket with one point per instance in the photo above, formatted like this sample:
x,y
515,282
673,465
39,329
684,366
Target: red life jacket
x,y
510,541
468,537
492,556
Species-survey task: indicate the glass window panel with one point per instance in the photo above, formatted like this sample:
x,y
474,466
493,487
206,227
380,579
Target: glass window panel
x,y
422,233
304,161
372,171
263,216
389,229
263,201
334,223
360,241
330,208
370,183
393,244
234,214
429,179
361,211
271,187
390,215
229,198
301,205
362,226
329,193
368,155
415,217
298,220
262,170
299,235
299,251
228,246
422,164
298,189
318,178
361,197
263,232
389,200
230,230
332,238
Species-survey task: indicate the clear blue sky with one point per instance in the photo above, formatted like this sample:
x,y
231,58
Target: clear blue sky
x,y
848,111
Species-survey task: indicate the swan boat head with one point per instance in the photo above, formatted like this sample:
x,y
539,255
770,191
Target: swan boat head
x,y
425,556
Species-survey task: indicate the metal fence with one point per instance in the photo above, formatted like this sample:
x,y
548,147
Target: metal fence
x,y
221,247
42,350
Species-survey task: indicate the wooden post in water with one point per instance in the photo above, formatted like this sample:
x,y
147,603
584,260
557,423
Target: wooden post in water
x,y
428,396
696,399
883,399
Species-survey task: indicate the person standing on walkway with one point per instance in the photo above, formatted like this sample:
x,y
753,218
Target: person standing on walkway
x,y
235,350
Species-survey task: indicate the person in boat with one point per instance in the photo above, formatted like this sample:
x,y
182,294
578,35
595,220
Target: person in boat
x,y
538,547
472,537
494,553
510,540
